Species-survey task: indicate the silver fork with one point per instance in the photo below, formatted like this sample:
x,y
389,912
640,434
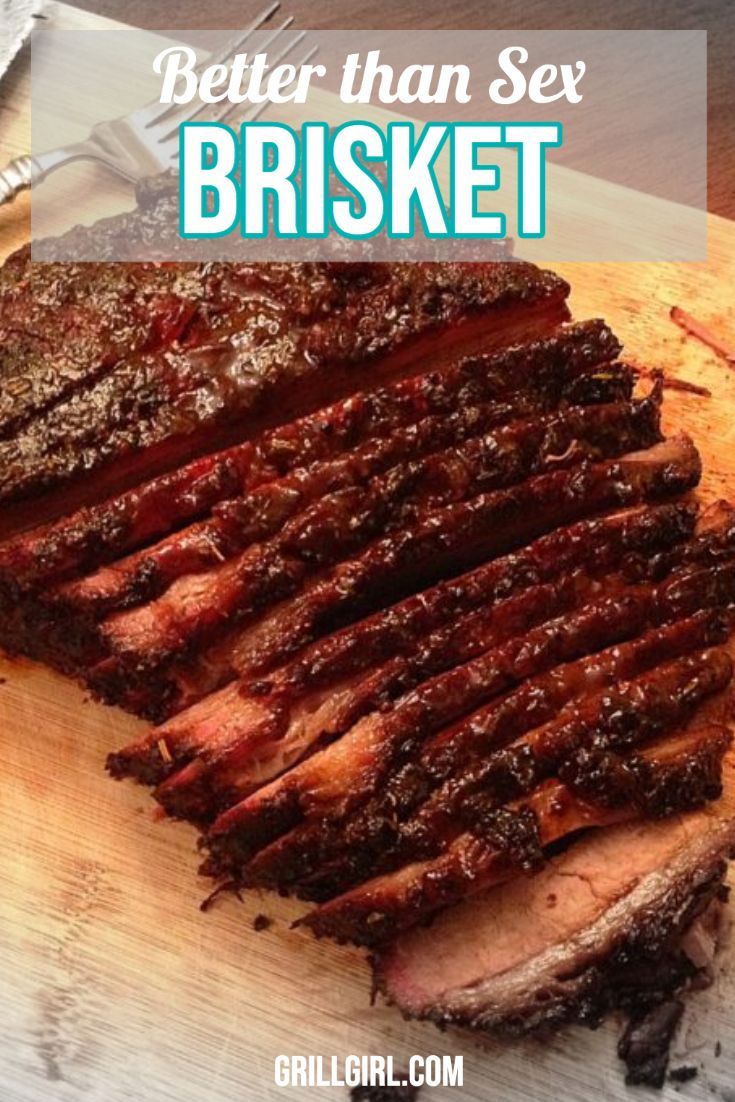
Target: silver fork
x,y
145,142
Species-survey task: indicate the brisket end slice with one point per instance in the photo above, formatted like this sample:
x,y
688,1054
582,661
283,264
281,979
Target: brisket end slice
x,y
566,943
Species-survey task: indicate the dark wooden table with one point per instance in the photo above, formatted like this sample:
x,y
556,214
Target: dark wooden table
x,y
715,16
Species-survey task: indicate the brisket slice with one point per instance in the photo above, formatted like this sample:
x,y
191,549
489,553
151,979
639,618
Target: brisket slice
x,y
243,735
568,943
548,368
317,516
714,543
336,781
446,542
678,775
326,670
291,342
197,607
320,862
198,791
513,449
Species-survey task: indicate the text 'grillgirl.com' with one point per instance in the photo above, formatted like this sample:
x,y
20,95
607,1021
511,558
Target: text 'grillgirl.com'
x,y
369,1071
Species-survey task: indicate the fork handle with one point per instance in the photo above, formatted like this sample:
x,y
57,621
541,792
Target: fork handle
x,y
14,178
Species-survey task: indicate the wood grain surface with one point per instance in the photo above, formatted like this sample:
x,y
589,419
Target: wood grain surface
x,y
115,988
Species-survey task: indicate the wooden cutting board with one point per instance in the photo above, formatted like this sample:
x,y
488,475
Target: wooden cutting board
x,y
115,988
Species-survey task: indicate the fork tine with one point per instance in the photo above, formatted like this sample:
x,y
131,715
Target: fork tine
x,y
189,116
298,37
231,47
265,46
287,49
258,108
228,50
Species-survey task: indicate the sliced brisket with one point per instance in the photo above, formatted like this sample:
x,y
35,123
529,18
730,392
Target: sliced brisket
x,y
582,935
492,458
679,775
339,523
288,339
205,787
325,688
445,542
579,745
560,367
310,519
411,818
336,780
237,739
456,642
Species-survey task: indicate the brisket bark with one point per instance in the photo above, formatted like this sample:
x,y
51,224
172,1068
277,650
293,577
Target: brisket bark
x,y
447,541
679,775
580,743
337,780
500,455
315,516
548,371
63,326
239,738
204,788
281,340
338,524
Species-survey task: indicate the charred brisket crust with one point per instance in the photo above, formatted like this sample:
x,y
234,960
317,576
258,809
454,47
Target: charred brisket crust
x,y
378,638
93,536
367,499
146,679
241,831
377,910
477,439
366,645
147,411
